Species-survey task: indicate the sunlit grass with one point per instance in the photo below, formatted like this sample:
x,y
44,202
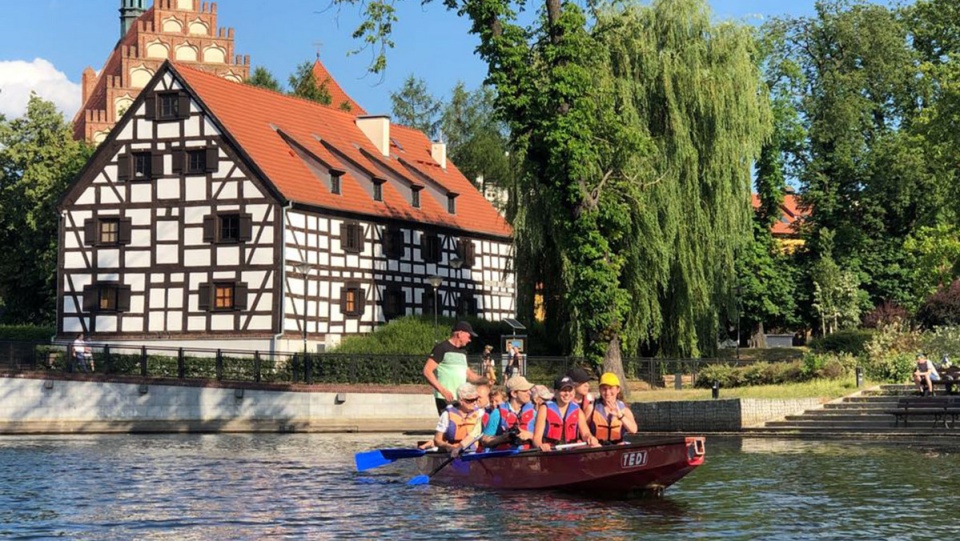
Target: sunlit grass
x,y
824,389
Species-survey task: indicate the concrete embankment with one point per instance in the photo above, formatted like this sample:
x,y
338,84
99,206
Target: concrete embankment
x,y
37,405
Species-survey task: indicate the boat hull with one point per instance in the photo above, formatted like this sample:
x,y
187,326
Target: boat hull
x,y
641,467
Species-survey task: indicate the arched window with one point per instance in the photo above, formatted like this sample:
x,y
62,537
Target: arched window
x,y
198,28
121,104
172,26
233,77
157,49
140,76
214,55
186,52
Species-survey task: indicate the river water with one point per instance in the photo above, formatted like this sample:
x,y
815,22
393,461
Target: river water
x,y
303,486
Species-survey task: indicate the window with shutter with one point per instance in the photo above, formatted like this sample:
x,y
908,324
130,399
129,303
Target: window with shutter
x,y
223,296
430,248
90,232
168,106
351,237
393,243
106,297
352,300
212,159
203,297
108,232
141,166
196,161
228,228
465,252
393,302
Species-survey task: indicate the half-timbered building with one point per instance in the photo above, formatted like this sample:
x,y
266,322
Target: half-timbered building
x,y
222,214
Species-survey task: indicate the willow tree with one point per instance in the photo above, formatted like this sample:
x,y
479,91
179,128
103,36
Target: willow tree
x,y
638,131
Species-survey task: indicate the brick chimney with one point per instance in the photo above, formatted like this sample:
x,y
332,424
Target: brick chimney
x,y
377,129
87,83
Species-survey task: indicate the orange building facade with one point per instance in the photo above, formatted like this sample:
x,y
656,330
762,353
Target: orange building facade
x,y
182,30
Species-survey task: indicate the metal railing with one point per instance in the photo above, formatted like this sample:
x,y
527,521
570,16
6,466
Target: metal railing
x,y
283,367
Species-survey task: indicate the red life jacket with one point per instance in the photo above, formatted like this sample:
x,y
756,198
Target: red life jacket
x,y
605,426
509,419
460,424
560,429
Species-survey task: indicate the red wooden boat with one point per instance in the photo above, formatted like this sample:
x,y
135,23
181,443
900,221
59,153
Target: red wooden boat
x,y
645,466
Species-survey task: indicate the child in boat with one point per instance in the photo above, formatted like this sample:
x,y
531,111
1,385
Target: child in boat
x,y
560,420
611,418
497,397
511,424
460,422
581,378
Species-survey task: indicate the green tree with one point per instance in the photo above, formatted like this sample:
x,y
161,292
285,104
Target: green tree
x,y
414,106
477,140
766,282
836,292
866,174
38,159
937,251
303,83
637,134
263,78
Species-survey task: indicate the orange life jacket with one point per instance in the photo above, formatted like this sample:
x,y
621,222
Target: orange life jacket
x,y
606,426
461,424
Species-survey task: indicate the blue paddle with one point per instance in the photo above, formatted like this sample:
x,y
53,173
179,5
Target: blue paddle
x,y
379,457
424,479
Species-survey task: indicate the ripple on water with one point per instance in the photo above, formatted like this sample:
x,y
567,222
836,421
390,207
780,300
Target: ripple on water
x,y
304,486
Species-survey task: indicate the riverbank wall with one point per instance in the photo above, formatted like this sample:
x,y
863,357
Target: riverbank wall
x,y
706,416
63,406
31,404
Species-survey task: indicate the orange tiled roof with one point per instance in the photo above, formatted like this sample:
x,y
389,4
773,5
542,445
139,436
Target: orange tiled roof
x,y
258,119
337,96
787,225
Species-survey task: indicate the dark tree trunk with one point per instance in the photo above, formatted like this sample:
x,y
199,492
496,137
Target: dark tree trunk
x,y
613,362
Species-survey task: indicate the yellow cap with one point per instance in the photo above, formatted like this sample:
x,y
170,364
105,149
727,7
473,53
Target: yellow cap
x,y
609,378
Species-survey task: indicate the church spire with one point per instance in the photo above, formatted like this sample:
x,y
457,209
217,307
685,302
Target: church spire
x,y
129,11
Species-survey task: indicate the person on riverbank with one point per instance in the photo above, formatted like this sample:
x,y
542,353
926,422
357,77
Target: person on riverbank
x,y
581,378
488,366
925,374
446,367
560,421
513,362
82,357
459,422
611,418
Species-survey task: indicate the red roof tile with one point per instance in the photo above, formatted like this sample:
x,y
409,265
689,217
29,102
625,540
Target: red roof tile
x,y
337,96
258,119
790,217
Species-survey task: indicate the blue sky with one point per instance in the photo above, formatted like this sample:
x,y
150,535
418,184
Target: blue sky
x,y
46,44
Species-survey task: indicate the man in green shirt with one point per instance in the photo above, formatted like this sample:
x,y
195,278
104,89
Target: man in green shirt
x,y
446,367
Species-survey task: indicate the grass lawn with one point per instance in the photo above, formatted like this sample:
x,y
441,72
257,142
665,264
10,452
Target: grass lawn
x,y
825,390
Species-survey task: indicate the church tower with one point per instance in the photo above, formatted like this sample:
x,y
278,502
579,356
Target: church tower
x,y
181,30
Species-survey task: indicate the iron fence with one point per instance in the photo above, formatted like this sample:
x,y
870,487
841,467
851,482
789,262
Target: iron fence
x,y
283,367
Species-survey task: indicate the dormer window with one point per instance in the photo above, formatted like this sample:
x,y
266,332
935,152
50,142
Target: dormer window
x,y
415,198
377,190
452,203
335,183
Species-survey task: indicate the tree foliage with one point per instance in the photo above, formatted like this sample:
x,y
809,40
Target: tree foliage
x,y
264,79
477,140
414,106
303,83
38,159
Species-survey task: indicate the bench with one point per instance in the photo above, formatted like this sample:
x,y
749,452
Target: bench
x,y
949,380
940,408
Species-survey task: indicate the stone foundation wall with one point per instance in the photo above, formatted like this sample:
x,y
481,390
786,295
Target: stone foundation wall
x,y
58,406
729,415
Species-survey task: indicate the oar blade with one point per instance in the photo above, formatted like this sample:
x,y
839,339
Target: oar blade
x,y
380,457
368,460
419,480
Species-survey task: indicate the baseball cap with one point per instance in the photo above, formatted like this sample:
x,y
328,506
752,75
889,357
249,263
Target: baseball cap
x,y
518,383
609,378
465,327
563,381
579,375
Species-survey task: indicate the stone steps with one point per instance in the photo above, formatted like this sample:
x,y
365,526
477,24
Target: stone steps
x,y
861,414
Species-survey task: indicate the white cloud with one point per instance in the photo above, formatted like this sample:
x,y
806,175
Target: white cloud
x,y
19,77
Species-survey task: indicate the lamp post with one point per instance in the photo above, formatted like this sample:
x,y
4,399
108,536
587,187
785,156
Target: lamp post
x,y
304,269
435,281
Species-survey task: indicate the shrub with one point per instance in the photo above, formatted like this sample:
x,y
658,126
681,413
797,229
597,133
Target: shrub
x,y
942,308
26,333
941,341
892,367
725,374
852,341
885,314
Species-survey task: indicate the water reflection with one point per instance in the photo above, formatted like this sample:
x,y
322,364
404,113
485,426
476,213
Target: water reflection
x,y
303,486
